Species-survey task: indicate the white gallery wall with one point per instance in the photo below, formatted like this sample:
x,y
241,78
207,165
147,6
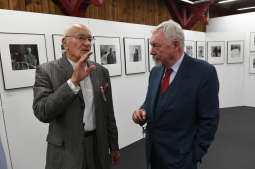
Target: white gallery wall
x,y
24,137
231,26
230,75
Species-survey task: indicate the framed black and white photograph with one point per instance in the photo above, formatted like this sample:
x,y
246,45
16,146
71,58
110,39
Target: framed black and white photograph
x,y
201,50
252,41
134,55
252,63
216,52
20,54
59,48
190,48
235,52
107,52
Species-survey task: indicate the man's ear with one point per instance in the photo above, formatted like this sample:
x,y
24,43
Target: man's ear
x,y
64,42
176,43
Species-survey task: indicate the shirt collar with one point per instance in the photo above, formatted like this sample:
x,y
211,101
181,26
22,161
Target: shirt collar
x,y
71,62
177,65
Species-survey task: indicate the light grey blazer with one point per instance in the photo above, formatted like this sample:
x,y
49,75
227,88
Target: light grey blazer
x,y
56,104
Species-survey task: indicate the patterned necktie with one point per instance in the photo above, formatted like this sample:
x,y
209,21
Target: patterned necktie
x,y
166,79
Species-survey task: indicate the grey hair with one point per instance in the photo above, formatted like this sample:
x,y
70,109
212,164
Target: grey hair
x,y
171,30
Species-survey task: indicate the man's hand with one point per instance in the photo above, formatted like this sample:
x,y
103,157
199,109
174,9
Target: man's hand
x,y
114,156
139,116
80,72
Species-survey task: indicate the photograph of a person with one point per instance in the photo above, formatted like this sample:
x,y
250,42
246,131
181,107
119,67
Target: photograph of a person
x,y
24,56
201,52
235,50
108,54
189,50
216,51
135,53
21,54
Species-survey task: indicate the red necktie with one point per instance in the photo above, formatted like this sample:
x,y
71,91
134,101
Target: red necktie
x,y
165,81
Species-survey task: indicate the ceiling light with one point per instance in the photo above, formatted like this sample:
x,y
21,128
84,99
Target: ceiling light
x,y
187,1
201,1
241,9
226,1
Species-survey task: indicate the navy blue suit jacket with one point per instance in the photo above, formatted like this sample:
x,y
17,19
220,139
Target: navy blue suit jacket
x,y
184,127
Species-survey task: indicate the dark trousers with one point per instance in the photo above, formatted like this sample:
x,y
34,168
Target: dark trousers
x,y
155,160
91,157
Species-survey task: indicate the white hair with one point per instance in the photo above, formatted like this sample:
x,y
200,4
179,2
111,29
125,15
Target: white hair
x,y
171,30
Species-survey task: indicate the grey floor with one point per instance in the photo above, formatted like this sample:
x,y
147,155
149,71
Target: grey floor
x,y
233,148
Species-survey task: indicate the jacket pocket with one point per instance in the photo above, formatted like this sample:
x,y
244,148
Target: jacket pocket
x,y
55,152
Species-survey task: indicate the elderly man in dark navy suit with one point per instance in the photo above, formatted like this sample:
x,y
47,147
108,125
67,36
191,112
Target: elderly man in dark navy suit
x,y
181,108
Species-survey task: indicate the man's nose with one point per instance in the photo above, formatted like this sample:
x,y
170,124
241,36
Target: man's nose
x,y
86,42
152,52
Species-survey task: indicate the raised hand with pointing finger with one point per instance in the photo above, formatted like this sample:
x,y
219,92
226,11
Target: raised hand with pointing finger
x,y
80,72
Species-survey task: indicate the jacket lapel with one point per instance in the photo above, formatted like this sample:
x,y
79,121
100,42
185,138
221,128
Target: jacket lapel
x,y
156,86
66,67
94,76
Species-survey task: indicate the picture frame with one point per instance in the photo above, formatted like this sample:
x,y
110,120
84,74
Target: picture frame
x,y
201,50
108,53
134,49
252,41
235,52
252,63
21,53
190,48
216,52
59,48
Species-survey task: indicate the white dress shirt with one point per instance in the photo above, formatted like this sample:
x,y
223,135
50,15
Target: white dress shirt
x,y
175,69
89,118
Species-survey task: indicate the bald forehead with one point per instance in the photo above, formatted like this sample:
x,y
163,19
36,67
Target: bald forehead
x,y
71,30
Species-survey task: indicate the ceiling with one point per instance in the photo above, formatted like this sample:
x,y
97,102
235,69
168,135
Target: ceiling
x,y
225,9
230,8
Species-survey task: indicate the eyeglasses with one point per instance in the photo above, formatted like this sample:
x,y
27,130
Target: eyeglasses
x,y
82,38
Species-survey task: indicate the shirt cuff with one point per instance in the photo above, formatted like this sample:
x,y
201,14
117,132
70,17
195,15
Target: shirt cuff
x,y
74,88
